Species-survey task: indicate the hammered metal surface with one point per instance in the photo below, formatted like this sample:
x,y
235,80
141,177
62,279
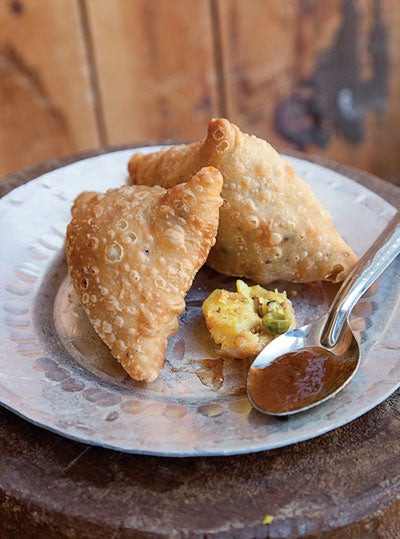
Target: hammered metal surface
x,y
55,372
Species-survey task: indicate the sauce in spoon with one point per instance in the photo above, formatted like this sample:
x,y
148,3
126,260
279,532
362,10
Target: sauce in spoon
x,y
297,379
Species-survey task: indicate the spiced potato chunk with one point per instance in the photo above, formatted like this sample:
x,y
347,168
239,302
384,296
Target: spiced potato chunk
x,y
243,322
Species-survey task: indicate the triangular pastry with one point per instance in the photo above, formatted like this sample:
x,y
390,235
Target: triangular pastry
x,y
132,254
271,224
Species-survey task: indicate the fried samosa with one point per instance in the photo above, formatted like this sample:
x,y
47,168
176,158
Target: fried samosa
x,y
271,224
132,254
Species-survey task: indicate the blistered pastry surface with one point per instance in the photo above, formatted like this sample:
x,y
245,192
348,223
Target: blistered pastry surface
x,y
132,254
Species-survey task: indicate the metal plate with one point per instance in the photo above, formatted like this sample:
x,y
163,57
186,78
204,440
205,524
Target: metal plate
x,y
55,372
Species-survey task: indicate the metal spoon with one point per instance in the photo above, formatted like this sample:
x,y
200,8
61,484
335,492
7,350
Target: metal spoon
x,y
309,365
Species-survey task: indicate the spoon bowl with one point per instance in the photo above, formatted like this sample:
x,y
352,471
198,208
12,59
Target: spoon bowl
x,y
311,364
305,374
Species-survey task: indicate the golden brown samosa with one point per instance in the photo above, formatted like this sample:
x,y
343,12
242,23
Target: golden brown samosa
x,y
271,224
132,254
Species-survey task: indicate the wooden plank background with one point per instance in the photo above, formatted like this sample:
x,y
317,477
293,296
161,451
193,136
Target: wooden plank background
x,y
320,77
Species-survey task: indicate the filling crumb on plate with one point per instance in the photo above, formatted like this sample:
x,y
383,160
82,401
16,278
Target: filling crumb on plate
x,y
242,323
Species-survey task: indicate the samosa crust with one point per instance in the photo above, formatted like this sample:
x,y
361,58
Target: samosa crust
x,y
132,254
271,224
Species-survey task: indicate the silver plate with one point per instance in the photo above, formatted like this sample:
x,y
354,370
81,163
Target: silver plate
x,y
55,372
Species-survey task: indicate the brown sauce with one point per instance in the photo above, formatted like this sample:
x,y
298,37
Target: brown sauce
x,y
211,373
297,379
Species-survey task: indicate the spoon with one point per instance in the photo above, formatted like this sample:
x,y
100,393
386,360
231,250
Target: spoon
x,y
308,365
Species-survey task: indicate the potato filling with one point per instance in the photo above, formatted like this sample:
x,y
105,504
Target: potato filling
x,y
242,323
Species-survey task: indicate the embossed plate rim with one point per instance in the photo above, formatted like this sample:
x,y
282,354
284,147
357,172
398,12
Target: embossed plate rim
x,y
52,183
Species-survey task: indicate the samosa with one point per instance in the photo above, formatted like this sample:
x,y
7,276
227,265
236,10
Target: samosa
x,y
132,254
271,224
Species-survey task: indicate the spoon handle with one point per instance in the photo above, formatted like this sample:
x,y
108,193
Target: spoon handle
x,y
378,257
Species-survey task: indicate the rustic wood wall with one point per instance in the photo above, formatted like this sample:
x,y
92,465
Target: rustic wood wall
x,y
322,77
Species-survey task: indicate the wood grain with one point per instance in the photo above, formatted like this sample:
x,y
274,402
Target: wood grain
x,y
45,93
259,61
322,77
155,66
319,77
371,28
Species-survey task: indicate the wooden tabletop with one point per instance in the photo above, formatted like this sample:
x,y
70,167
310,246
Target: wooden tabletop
x,y
344,484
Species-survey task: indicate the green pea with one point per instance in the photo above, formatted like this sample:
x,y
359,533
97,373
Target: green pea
x,y
275,323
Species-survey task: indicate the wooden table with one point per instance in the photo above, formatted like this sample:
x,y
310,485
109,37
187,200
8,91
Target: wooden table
x,y
344,484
